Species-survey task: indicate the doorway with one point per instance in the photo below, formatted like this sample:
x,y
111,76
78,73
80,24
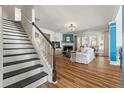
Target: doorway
x,y
17,14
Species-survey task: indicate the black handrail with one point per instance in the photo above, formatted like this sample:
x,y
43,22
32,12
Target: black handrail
x,y
42,34
54,58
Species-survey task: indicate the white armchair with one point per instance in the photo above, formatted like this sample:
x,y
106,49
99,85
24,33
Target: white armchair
x,y
85,56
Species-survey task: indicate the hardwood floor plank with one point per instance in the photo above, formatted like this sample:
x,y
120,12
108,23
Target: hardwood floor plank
x,y
98,74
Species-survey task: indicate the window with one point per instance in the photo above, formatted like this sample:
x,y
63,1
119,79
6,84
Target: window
x,y
93,41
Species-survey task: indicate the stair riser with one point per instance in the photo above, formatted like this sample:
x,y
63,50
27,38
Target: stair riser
x,y
22,57
38,82
9,52
14,37
16,46
8,22
14,34
20,77
15,25
20,66
11,24
15,41
14,28
18,32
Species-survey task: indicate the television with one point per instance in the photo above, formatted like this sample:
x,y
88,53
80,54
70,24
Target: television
x,y
56,44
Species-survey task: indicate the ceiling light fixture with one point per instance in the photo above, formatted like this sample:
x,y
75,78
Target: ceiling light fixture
x,y
71,27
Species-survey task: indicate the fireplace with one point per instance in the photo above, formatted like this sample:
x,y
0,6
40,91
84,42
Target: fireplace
x,y
67,51
67,48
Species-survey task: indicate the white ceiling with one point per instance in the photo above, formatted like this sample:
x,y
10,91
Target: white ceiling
x,y
57,18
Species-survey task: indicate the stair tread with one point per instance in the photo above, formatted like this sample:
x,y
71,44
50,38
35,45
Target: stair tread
x,y
20,71
19,54
20,61
27,81
19,43
17,32
17,48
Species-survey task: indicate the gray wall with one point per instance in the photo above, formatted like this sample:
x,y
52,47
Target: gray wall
x,y
27,12
9,12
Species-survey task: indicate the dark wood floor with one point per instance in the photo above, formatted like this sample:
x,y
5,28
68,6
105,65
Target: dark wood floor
x,y
99,73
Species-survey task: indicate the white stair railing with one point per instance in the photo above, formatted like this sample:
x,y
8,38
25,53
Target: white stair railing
x,y
44,47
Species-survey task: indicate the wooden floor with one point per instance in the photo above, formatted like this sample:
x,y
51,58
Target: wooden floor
x,y
99,73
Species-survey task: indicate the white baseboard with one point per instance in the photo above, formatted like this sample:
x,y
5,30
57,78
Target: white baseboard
x,y
116,63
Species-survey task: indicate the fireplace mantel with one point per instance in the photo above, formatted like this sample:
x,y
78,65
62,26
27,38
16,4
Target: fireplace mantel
x,y
68,44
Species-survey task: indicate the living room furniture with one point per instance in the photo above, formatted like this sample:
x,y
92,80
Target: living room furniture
x,y
67,54
73,56
85,56
67,50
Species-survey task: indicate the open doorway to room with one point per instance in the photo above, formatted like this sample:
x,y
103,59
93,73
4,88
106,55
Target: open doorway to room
x,y
17,14
101,45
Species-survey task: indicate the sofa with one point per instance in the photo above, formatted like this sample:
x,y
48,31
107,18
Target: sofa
x,y
85,56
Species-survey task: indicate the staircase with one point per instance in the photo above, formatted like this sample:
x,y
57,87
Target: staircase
x,y
22,66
